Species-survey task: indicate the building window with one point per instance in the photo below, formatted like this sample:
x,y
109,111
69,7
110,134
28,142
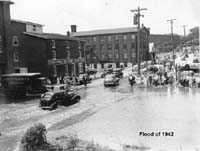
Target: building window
x,y
125,46
125,55
110,56
133,45
80,67
109,38
15,41
109,46
34,27
53,54
117,46
116,37
94,48
102,56
80,54
101,47
1,45
94,39
16,56
102,39
53,43
88,56
117,56
68,54
132,36
67,45
133,55
124,37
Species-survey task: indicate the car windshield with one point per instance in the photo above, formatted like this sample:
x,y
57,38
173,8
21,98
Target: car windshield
x,y
47,96
109,77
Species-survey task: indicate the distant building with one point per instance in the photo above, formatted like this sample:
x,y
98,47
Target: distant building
x,y
25,48
113,46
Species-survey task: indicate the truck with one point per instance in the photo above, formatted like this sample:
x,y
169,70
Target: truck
x,y
22,84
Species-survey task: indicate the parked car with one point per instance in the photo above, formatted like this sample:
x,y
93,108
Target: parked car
x,y
106,71
118,72
59,95
91,71
80,79
111,79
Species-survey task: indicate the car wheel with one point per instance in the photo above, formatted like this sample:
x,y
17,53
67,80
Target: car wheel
x,y
54,106
77,99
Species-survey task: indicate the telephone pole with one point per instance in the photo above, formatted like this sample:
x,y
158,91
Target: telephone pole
x,y
184,38
171,22
184,31
137,21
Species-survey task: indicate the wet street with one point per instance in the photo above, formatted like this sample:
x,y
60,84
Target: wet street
x,y
113,116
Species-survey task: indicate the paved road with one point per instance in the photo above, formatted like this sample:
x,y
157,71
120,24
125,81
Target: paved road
x,y
113,116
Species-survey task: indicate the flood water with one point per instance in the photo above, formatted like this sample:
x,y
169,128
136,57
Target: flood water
x,y
171,113
114,116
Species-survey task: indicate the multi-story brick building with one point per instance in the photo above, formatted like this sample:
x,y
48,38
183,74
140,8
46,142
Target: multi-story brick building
x,y
113,46
25,48
47,53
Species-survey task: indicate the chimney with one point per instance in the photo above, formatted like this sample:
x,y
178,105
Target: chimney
x,y
68,33
73,28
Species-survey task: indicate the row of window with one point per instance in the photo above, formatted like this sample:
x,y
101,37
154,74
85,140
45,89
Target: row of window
x,y
125,56
109,46
68,54
115,37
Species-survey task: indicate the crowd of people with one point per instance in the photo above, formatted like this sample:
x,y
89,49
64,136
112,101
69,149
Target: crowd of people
x,y
153,75
189,80
160,75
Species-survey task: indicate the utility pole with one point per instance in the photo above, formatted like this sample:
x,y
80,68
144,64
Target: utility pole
x,y
171,22
137,21
184,31
185,38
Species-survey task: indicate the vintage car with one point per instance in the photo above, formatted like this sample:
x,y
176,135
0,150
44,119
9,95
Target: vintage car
x,y
118,72
111,79
59,95
79,79
91,71
106,71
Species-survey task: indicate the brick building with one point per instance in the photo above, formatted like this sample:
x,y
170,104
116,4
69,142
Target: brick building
x,y
113,46
28,49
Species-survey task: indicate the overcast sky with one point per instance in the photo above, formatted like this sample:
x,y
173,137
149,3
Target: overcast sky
x,y
58,15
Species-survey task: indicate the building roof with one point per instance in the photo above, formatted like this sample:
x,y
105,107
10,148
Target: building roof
x,y
8,1
26,22
50,36
20,74
105,31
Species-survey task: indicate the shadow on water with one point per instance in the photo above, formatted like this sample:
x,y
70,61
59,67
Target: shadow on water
x,y
8,100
